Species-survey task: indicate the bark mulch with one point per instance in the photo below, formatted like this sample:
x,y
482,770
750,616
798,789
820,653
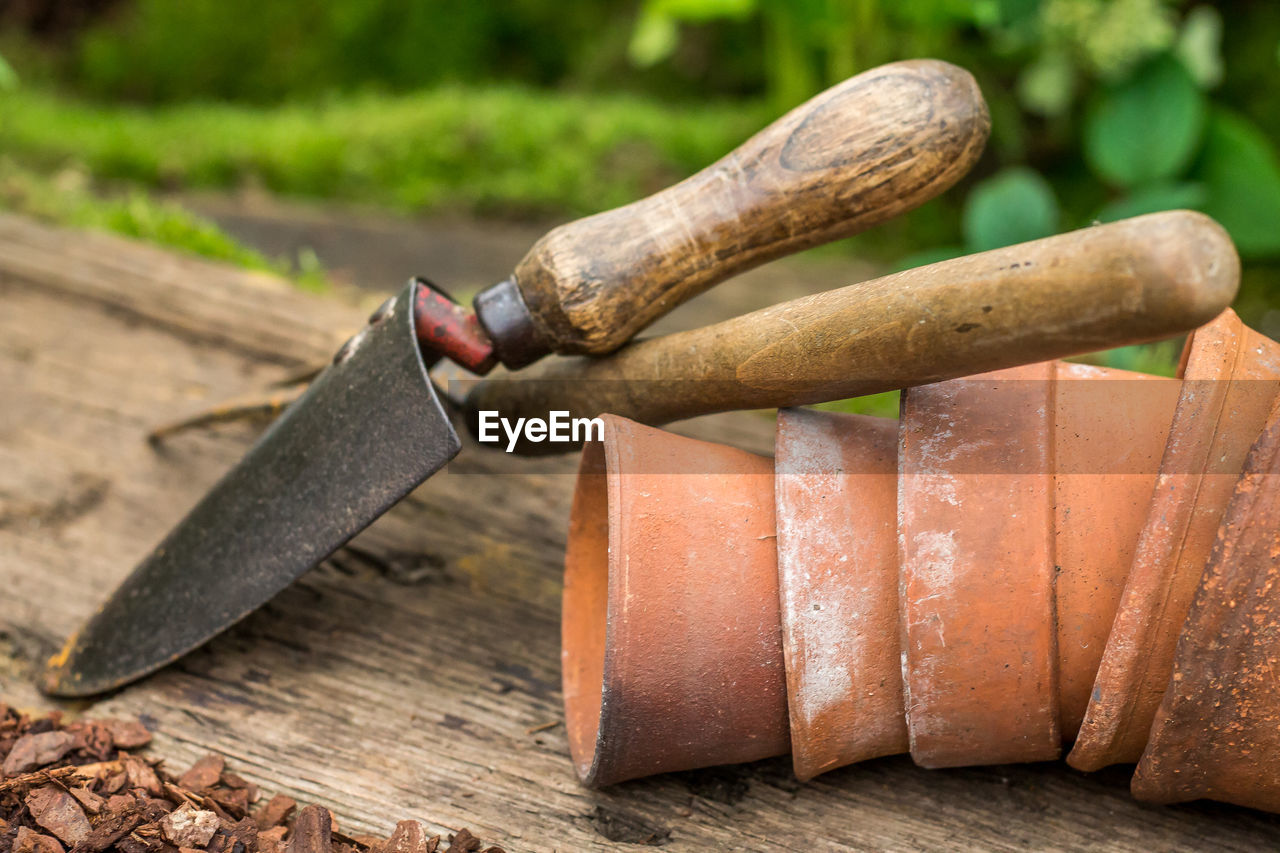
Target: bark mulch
x,y
78,787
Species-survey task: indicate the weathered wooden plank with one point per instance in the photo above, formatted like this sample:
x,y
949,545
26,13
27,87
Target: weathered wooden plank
x,y
400,679
202,300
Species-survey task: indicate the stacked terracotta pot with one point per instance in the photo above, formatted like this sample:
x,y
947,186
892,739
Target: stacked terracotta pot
x,y
1049,554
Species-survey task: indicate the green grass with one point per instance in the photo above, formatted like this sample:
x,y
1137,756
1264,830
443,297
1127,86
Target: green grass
x,y
882,405
1159,358
505,151
67,198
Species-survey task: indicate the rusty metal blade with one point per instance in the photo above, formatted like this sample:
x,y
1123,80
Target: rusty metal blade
x,y
369,430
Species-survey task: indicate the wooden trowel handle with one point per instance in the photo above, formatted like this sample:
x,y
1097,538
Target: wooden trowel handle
x,y
1104,286
861,152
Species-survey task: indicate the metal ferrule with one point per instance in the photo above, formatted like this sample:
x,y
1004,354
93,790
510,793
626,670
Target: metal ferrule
x,y
505,316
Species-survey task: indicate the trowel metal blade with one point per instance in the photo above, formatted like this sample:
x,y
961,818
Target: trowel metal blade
x,y
369,430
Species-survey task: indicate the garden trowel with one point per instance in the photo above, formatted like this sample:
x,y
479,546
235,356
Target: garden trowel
x,y
372,427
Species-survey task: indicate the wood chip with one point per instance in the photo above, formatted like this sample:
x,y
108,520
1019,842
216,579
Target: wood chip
x,y
275,812
188,827
79,792
60,813
272,840
88,800
409,837
141,775
114,824
37,750
128,734
29,841
204,774
231,780
311,831
236,782
93,738
236,802
27,781
120,802
244,836
463,842
114,782
212,805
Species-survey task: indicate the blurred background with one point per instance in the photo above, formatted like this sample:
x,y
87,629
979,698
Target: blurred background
x,y
146,116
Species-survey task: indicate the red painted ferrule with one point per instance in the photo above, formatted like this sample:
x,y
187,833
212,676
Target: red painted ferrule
x,y
451,330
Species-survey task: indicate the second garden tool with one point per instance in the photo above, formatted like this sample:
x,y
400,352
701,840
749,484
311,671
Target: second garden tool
x,y
1104,286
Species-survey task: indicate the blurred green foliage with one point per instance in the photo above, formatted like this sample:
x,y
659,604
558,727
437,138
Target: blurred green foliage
x,y
1147,127
497,150
8,78
1101,109
159,50
883,405
1015,206
1121,106
1115,92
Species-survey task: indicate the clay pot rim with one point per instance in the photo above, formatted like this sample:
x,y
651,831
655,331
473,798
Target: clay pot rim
x,y
1121,695
654,681
597,493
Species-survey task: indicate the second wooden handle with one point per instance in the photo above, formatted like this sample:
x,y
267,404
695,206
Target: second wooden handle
x,y
856,155
1104,286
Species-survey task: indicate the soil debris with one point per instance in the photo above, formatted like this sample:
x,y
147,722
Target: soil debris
x,y
77,788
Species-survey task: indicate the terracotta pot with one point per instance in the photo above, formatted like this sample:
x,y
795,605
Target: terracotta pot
x,y
672,655
1214,425
836,490
1021,496
1110,431
975,517
1022,500
1217,730
658,690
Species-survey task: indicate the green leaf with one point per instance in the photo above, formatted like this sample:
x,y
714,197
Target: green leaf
x,y
1014,206
1013,13
656,33
1240,171
1200,45
1048,85
1153,198
1147,128
8,77
654,38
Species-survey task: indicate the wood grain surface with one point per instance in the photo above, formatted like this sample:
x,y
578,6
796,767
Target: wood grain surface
x,y
401,678
852,157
